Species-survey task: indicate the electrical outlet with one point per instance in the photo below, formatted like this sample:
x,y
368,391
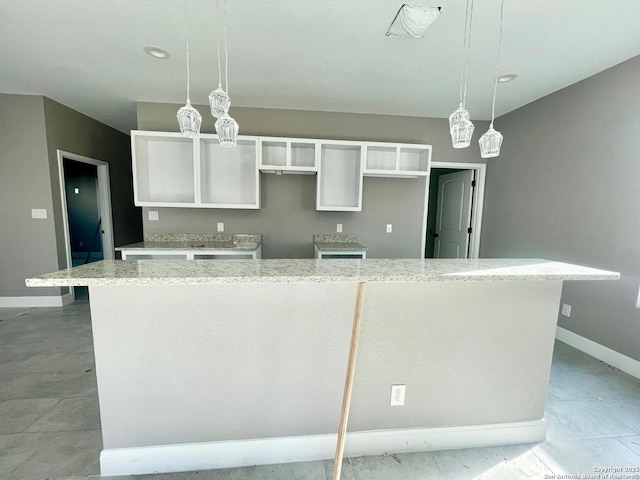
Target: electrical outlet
x,y
339,228
153,215
389,228
566,310
38,213
397,395
220,227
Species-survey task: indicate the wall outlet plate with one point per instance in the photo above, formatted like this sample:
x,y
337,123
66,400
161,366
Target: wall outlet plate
x,y
220,227
566,310
39,213
389,228
153,215
339,228
397,395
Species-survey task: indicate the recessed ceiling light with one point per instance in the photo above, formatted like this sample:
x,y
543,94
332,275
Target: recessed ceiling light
x,y
156,52
507,78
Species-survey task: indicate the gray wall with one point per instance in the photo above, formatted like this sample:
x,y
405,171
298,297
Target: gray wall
x,y
288,218
31,129
27,246
74,132
566,187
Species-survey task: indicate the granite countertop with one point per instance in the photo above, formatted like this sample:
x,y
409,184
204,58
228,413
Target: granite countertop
x,y
197,241
332,242
204,272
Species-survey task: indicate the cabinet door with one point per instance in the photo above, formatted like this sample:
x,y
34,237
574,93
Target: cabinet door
x,y
339,185
163,169
229,176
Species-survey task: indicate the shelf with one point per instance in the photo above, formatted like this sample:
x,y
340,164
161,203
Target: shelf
x,y
163,168
229,176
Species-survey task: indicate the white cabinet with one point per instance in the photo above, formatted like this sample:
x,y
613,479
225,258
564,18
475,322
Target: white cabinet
x,y
396,160
163,169
173,171
229,177
339,186
288,155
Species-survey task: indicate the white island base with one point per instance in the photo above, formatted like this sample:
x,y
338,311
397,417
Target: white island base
x,y
220,376
249,368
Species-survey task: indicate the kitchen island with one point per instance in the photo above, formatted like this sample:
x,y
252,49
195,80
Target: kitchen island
x,y
214,364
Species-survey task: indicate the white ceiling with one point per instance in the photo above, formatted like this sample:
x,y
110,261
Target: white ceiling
x,y
329,55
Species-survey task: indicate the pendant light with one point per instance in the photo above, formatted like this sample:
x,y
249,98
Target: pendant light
x,y
188,117
460,126
491,141
226,127
219,101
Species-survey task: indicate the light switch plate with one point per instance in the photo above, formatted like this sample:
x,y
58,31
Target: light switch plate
x,y
389,228
153,215
39,213
566,310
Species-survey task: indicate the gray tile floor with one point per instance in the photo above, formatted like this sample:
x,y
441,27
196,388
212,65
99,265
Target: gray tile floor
x,y
50,424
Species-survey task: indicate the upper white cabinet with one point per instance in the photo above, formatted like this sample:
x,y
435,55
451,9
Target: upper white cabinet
x,y
173,171
339,185
229,177
288,155
163,169
397,160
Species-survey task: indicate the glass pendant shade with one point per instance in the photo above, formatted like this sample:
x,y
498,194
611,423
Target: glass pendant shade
x,y
490,143
189,120
219,102
461,133
227,129
459,115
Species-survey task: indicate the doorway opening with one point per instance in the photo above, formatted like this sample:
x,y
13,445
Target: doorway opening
x,y
86,206
453,210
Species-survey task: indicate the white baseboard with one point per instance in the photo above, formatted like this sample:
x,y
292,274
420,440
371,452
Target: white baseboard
x,y
36,301
267,451
607,355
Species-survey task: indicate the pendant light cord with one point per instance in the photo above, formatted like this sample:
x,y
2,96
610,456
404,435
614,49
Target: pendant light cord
x,y
226,52
468,49
495,80
186,21
218,42
464,50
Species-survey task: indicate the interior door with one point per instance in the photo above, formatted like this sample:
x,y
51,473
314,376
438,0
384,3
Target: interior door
x,y
453,214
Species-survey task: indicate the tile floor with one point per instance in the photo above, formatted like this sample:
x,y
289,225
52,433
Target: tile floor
x,y
50,424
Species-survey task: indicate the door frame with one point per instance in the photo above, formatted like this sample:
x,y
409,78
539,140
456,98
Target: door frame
x,y
104,197
477,202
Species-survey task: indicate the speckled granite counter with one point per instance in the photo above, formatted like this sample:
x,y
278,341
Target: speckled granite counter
x,y
194,272
193,245
195,357
338,245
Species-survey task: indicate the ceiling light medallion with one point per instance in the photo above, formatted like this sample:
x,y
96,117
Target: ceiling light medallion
x,y
460,126
226,127
491,141
188,117
413,21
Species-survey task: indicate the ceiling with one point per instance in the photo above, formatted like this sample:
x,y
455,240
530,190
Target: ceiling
x,y
329,55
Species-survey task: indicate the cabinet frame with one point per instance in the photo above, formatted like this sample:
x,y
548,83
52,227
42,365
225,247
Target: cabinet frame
x,y
397,171
287,167
322,172
196,164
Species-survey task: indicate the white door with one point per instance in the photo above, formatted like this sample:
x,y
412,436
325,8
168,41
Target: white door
x,y
453,215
